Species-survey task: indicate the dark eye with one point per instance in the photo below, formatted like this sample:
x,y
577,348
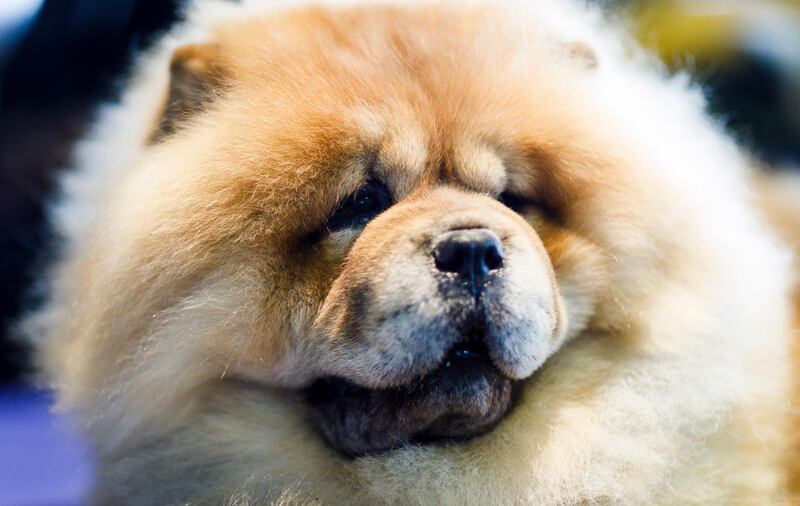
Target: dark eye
x,y
358,209
514,202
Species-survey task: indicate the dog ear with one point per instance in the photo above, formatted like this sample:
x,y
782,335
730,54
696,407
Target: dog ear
x,y
196,78
582,53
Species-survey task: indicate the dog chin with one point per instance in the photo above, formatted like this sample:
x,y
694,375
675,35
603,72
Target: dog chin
x,y
464,397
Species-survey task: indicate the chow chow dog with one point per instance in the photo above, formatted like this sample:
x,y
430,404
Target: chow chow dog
x,y
418,253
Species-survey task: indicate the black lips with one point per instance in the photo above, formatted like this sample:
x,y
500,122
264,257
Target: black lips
x,y
465,397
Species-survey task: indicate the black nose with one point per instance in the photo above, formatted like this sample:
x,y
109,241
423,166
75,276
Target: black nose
x,y
470,253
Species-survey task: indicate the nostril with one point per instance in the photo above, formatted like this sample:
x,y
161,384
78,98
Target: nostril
x,y
449,257
494,256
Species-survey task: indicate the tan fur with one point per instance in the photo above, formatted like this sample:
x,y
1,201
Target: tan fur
x,y
779,195
190,304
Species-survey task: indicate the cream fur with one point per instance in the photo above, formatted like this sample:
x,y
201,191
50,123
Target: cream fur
x,y
694,416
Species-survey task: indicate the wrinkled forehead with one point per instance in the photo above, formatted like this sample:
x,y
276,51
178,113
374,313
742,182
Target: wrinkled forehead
x,y
321,101
431,94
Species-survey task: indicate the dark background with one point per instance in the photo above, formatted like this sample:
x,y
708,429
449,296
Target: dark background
x,y
70,59
75,49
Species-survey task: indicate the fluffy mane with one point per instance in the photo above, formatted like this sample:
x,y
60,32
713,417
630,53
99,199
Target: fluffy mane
x,y
678,398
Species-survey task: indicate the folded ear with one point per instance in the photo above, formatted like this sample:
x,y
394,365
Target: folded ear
x,y
196,78
583,53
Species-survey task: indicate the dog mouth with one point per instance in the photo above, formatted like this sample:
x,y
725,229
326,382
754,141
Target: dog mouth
x,y
464,397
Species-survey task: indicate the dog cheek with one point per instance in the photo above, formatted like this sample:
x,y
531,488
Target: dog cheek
x,y
522,329
522,308
409,318
581,274
343,338
383,320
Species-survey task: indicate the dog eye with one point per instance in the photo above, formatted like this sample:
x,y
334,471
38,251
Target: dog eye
x,y
514,202
358,209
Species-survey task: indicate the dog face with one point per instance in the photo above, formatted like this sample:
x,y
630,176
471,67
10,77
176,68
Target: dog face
x,y
336,204
444,299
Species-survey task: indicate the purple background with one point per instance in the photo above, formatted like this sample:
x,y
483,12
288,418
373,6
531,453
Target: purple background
x,y
41,462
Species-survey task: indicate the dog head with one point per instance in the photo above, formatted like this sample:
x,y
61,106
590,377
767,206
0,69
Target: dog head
x,y
401,223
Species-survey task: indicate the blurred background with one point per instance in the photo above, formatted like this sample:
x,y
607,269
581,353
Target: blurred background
x,y
59,58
